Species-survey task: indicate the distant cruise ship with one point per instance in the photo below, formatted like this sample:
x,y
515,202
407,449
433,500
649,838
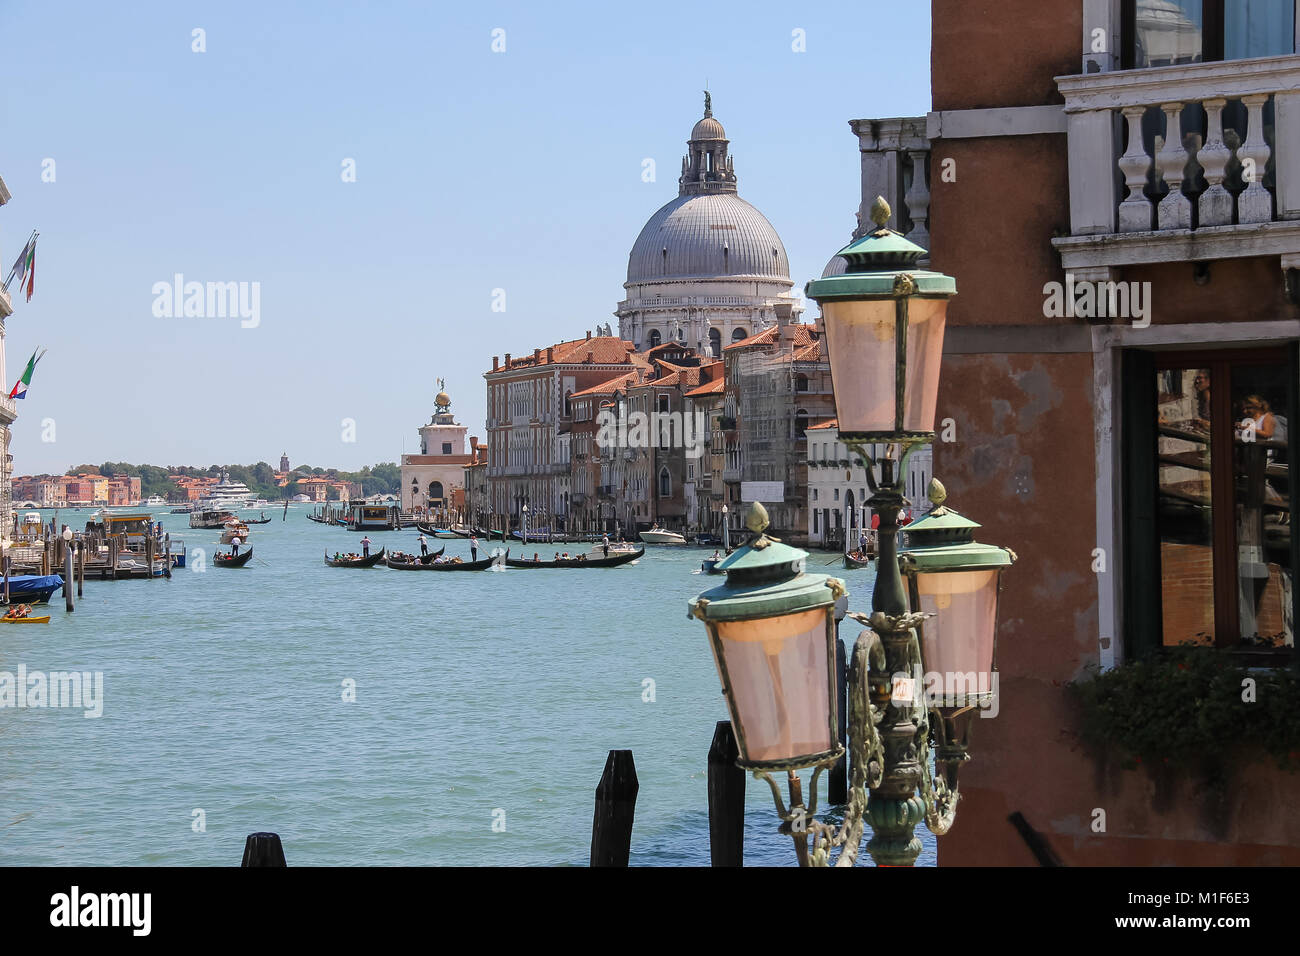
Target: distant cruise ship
x,y
225,494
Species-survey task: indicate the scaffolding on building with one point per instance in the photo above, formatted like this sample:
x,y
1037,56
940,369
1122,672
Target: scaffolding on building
x,y
770,438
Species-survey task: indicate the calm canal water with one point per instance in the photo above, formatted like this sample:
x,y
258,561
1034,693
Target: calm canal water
x,y
475,693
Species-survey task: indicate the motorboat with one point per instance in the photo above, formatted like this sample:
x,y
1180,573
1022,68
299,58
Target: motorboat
x,y
657,535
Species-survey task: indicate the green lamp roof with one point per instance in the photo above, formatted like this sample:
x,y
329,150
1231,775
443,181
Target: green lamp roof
x,y
765,578
875,262
944,540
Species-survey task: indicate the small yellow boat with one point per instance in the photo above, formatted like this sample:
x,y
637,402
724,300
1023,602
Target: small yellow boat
x,y
25,620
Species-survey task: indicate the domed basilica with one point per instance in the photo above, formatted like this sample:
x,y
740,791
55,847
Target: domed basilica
x,y
707,269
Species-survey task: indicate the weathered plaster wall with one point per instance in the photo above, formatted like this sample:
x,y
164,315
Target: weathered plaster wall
x,y
988,53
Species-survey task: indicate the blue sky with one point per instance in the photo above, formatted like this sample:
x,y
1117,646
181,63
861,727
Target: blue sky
x,y
475,170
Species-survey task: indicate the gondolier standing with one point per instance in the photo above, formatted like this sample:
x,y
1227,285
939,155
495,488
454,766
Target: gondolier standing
x,y
473,547
604,543
365,546
234,546
424,546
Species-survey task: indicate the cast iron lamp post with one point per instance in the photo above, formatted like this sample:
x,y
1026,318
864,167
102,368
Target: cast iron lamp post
x,y
771,626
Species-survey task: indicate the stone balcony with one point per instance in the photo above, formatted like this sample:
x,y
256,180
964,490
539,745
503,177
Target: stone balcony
x,y
8,410
1183,163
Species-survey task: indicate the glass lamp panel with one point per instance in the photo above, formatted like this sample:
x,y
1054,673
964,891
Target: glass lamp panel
x,y
780,683
925,324
957,641
861,341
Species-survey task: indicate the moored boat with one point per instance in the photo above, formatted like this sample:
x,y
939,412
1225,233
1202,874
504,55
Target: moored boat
x,y
33,588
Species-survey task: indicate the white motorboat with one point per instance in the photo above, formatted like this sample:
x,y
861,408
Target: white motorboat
x,y
657,535
155,501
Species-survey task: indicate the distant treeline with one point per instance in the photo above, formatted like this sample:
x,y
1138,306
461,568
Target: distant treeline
x,y
382,479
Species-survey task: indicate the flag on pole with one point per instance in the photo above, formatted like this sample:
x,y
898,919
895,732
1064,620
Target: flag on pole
x,y
31,271
25,266
20,387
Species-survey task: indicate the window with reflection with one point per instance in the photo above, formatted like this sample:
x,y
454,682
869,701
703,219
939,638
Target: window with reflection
x,y
1174,32
1209,551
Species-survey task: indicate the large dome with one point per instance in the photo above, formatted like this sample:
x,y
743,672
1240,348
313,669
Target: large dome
x,y
706,236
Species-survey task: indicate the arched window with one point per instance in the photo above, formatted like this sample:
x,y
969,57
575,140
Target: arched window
x,y
715,342
665,483
738,334
800,423
435,490
801,383
655,338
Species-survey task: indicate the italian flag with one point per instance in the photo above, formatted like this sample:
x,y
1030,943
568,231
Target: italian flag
x,y
25,267
20,388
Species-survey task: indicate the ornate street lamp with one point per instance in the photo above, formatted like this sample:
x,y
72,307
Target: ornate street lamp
x,y
884,323
772,632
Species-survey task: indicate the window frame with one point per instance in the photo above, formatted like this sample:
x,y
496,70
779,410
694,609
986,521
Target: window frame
x,y
1141,607
1214,28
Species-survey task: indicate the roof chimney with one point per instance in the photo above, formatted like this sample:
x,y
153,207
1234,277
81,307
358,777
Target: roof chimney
x,y
473,447
589,333
550,355
495,364
537,356
591,358
507,360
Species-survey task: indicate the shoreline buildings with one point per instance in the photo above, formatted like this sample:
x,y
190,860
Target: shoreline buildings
x,y
1119,201
433,482
702,398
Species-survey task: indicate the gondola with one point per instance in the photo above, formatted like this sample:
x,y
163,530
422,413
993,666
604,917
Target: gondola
x,y
369,562
400,557
226,561
256,520
851,562
445,566
613,561
433,532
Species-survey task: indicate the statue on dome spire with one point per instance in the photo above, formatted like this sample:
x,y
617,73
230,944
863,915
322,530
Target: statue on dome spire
x,y
708,104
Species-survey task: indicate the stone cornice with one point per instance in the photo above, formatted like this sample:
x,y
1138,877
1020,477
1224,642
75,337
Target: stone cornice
x,y
1179,84
1181,245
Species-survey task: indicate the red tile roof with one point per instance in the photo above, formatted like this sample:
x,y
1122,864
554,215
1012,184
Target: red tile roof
x,y
604,350
609,387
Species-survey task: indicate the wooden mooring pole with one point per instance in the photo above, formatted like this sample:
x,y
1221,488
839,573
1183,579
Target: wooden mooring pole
x,y
7,562
81,567
611,828
263,849
67,576
837,788
726,799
